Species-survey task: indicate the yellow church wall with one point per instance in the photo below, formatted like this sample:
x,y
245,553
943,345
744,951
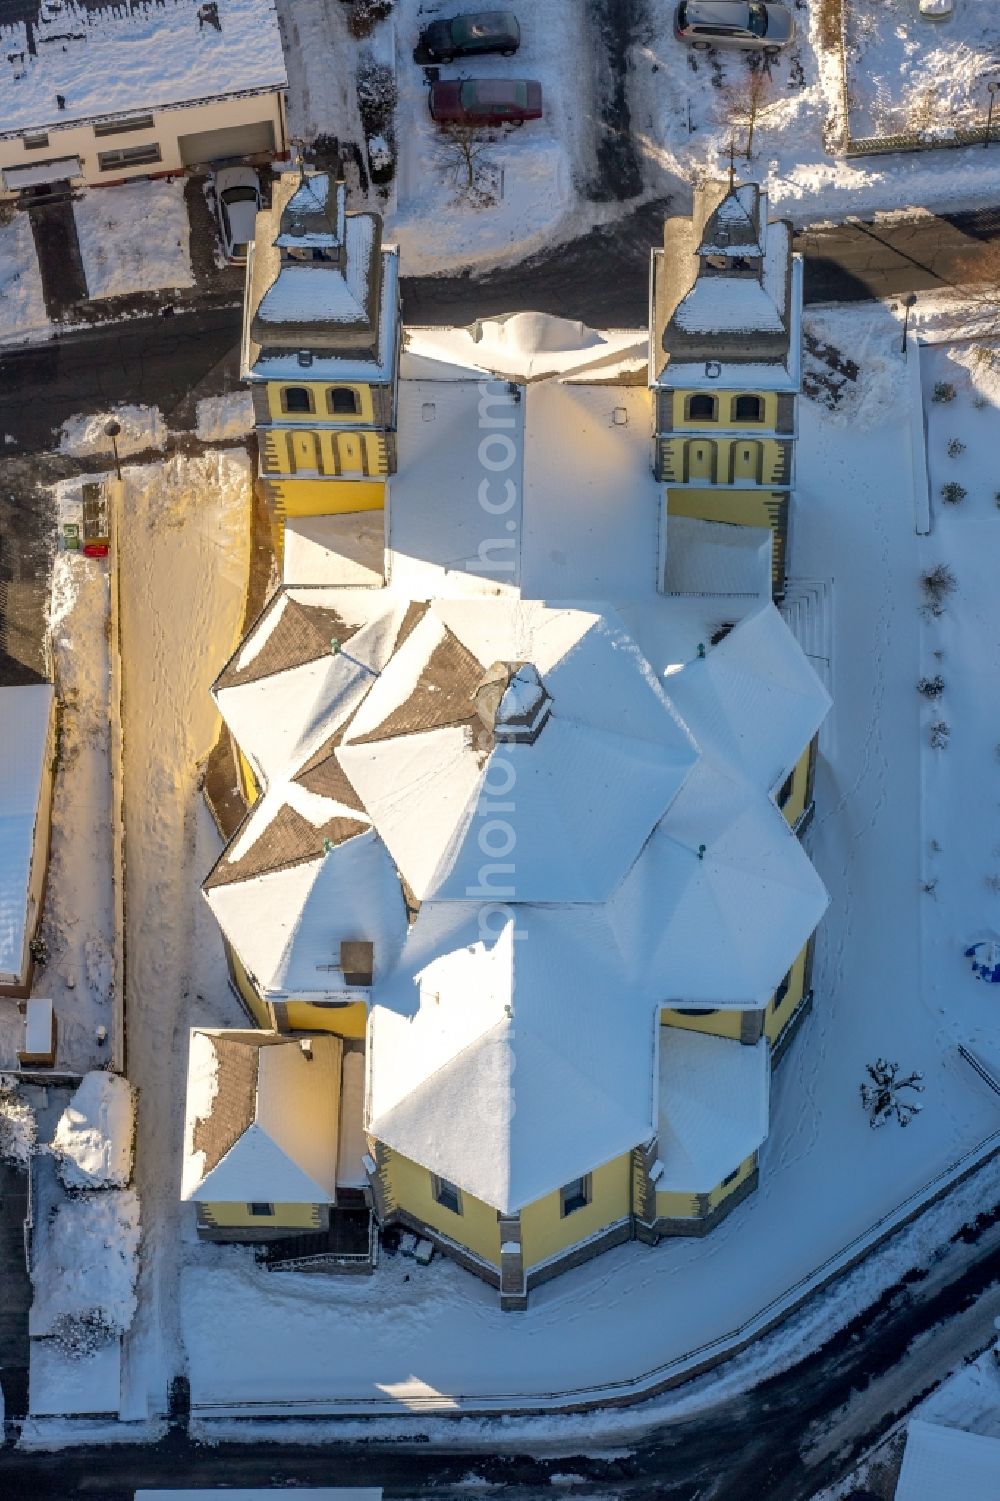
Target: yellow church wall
x,y
307,452
328,497
795,804
256,1006
725,410
719,1024
476,1228
723,1190
345,1021
318,391
285,1216
724,460
742,507
777,1017
676,1206
545,1231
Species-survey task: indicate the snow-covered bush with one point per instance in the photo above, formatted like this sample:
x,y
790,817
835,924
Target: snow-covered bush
x,y
366,14
953,493
931,687
93,1140
980,402
84,1269
881,1097
943,391
938,583
17,1124
940,734
376,95
82,1334
955,448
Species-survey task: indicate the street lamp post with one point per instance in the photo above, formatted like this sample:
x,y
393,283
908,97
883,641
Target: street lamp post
x,y
907,304
112,429
992,87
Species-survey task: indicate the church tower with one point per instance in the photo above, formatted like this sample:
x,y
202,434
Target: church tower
x,y
321,335
725,356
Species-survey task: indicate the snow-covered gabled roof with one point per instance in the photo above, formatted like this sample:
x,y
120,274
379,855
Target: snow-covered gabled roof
x,y
948,1464
503,1055
722,898
430,768
753,696
713,1107
520,346
261,1120
288,915
303,668
118,60
25,713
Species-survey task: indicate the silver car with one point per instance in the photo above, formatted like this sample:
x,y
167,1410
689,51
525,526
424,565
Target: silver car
x,y
733,23
237,199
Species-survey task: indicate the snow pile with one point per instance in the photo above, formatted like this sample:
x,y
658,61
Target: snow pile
x,y
134,238
17,1125
77,921
93,1140
22,306
141,428
223,418
84,1270
853,365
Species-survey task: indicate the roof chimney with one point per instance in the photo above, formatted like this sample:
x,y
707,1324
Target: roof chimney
x,y
306,1047
357,960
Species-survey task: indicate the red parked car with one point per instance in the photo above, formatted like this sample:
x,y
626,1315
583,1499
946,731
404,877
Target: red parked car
x,y
485,101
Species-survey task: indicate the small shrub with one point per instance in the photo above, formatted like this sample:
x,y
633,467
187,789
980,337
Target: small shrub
x,y
376,95
830,12
979,401
955,448
365,16
940,734
943,391
953,493
992,883
938,583
931,687
929,888
934,847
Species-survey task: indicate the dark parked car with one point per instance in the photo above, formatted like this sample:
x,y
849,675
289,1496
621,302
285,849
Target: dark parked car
x,y
485,101
465,36
733,23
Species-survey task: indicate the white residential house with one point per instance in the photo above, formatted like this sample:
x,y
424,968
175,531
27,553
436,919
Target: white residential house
x,y
97,94
27,728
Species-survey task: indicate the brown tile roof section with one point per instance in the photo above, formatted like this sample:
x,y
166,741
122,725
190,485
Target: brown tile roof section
x,y
415,612
289,839
444,695
234,1108
302,634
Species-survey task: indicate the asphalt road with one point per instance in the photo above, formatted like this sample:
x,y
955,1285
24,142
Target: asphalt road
x,y
779,1442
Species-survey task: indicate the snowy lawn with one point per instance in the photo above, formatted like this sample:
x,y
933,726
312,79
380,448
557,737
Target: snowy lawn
x,y
185,558
134,237
77,929
686,104
22,307
907,72
826,1177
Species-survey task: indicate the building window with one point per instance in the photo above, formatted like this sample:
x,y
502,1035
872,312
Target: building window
x,y
785,790
731,1177
341,401
296,399
124,126
448,1195
748,409
574,1196
697,1010
782,991
702,408
128,156
261,1211
36,140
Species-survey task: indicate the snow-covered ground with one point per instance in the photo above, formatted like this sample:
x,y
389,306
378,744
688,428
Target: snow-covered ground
x,y
22,307
826,1177
907,72
185,555
77,923
221,419
686,104
135,237
84,435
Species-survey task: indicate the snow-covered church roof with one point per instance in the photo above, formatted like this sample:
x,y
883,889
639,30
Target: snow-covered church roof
x,y
579,840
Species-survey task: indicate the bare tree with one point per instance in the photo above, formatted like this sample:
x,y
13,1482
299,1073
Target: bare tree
x,y
881,1098
746,101
462,151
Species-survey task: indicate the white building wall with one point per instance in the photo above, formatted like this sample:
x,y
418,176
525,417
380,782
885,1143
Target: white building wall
x,y
78,139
